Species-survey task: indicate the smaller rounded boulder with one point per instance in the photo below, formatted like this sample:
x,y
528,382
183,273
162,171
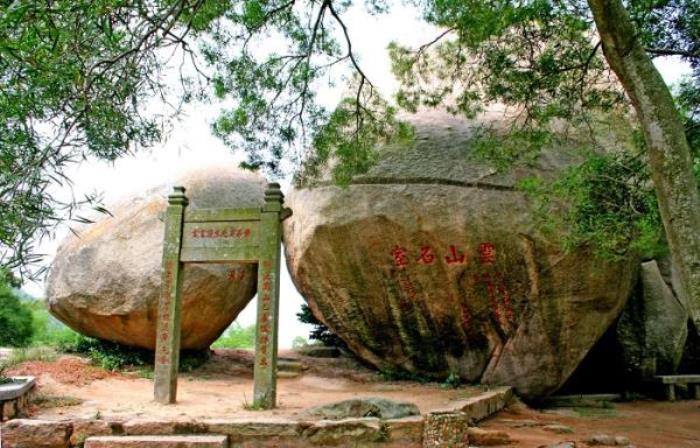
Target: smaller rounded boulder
x,y
105,281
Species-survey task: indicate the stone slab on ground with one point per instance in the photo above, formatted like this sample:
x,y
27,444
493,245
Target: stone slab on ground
x,y
481,406
157,442
240,430
82,429
137,427
406,430
364,407
25,433
355,431
435,429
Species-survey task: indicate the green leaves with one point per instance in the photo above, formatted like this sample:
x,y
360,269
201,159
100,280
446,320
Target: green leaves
x,y
606,203
348,142
73,76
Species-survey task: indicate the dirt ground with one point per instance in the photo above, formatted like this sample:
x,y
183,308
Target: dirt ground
x,y
647,424
223,387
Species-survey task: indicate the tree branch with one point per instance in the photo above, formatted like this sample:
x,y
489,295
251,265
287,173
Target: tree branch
x,y
672,52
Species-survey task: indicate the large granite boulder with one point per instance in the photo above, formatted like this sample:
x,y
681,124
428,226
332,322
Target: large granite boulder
x,y
430,263
105,282
653,327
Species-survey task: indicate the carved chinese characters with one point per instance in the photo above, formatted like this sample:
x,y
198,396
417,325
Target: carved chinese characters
x,y
162,355
226,232
265,317
485,281
453,256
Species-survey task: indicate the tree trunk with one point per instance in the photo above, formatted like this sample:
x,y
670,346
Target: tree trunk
x,y
667,146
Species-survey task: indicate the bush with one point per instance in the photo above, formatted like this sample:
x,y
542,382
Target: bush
x,y
320,332
20,355
48,331
299,342
15,318
113,356
109,355
236,336
4,379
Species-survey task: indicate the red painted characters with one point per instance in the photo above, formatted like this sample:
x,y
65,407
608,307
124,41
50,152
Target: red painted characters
x,y
455,255
487,253
163,355
265,315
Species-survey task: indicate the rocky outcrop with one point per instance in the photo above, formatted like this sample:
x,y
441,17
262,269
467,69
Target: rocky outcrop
x,y
364,407
105,282
653,327
430,263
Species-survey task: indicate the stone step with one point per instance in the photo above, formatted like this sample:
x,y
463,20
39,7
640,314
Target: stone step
x,y
157,442
289,365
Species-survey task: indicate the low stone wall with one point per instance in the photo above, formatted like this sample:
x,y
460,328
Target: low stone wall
x,y
437,429
14,398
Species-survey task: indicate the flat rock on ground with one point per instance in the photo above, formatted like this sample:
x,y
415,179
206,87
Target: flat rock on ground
x,y
364,407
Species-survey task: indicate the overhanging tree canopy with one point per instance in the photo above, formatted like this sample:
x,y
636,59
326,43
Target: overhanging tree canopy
x,y
75,73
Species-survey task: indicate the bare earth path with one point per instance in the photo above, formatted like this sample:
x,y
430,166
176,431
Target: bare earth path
x,y
647,424
222,387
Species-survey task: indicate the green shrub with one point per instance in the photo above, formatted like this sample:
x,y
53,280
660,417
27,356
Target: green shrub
x,y
49,331
299,342
15,318
26,354
109,355
398,374
453,381
236,336
4,379
113,356
320,332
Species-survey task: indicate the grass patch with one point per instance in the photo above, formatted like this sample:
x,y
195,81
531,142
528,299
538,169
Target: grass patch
x,y
47,330
113,356
596,412
43,401
403,375
254,406
110,355
236,336
453,381
20,355
4,379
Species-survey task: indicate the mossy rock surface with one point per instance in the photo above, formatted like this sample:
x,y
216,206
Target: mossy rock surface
x,y
364,407
431,263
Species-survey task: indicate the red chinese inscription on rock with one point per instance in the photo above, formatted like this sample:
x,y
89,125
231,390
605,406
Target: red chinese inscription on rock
x,y
426,255
455,256
236,274
496,288
400,255
487,253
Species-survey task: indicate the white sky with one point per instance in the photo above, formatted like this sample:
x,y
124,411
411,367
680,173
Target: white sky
x,y
191,144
